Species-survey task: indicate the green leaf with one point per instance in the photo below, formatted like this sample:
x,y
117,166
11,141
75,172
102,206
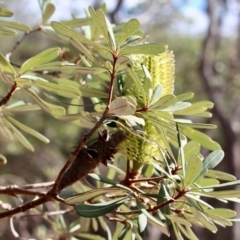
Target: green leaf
x,y
200,137
184,96
49,10
5,77
195,108
149,49
5,65
70,33
74,69
52,66
142,224
64,91
220,175
191,148
178,220
82,197
23,82
233,183
5,12
3,160
221,212
56,111
84,50
123,234
100,209
193,170
157,92
197,125
15,25
164,102
178,106
43,57
128,30
90,92
120,107
228,194
7,31
212,160
19,136
28,130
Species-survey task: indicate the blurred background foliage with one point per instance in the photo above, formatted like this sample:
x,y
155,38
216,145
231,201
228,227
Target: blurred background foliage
x,y
205,38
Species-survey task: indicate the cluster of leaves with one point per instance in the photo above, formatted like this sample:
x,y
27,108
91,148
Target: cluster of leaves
x,y
132,81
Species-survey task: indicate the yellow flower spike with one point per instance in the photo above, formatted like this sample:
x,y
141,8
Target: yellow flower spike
x,y
161,69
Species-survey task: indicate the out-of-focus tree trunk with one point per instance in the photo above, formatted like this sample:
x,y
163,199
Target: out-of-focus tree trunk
x,y
215,87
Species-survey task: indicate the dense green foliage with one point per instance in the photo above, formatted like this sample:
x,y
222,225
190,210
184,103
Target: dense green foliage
x,y
159,174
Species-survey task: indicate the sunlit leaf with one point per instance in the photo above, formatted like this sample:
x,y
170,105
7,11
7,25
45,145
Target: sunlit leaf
x,y
128,30
64,91
212,160
218,194
220,175
15,25
124,233
178,220
5,12
55,110
120,107
191,148
74,69
82,197
197,125
99,209
222,212
7,31
77,22
149,49
164,102
90,92
48,12
184,96
19,136
28,130
41,58
158,90
5,78
5,65
200,137
195,108
193,169
23,82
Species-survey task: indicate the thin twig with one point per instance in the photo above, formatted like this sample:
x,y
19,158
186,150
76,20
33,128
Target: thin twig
x,y
14,190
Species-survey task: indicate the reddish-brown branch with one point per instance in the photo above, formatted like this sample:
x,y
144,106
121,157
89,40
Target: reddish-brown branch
x,y
6,98
14,190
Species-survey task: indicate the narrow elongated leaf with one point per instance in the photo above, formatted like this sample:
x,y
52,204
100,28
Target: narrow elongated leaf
x,y
82,70
100,209
193,169
23,82
15,25
41,58
219,194
84,50
220,175
49,10
123,234
64,91
195,108
191,148
164,102
28,130
213,159
157,92
4,77
90,92
232,183
70,33
198,125
7,31
19,136
129,29
5,65
5,12
178,106
200,137
142,224
51,66
179,220
55,110
149,49
222,212
77,22
206,222
79,198
184,96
